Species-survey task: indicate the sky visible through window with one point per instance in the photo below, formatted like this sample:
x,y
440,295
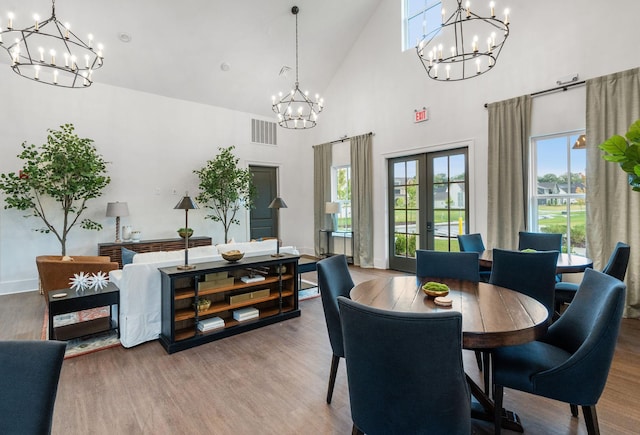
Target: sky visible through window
x,y
552,156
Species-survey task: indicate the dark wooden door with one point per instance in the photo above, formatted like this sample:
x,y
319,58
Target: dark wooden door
x,y
263,220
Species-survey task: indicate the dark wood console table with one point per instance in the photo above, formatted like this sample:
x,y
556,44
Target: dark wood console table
x,y
273,297
114,251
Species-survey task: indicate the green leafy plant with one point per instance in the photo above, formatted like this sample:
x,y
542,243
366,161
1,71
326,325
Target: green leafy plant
x,y
67,169
225,188
625,151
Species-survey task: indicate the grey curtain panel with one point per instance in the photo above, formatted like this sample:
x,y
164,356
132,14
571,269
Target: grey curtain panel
x,y
613,209
322,158
509,131
362,200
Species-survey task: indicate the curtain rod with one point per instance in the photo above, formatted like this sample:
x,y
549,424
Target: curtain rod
x,y
557,88
345,137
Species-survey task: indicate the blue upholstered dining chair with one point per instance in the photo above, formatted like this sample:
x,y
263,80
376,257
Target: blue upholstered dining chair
x,y
616,267
29,374
405,371
443,264
334,279
571,362
473,243
540,241
530,273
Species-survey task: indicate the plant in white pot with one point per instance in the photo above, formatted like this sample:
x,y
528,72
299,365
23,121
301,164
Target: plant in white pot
x,y
68,170
626,152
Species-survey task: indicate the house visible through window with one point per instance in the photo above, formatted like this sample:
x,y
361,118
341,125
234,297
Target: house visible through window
x,y
558,188
420,17
342,195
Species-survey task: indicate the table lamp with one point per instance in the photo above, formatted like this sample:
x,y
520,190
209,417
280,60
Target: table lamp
x,y
186,204
332,208
277,203
117,209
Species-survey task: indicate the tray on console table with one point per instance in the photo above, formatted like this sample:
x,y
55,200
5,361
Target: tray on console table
x,y
275,298
114,250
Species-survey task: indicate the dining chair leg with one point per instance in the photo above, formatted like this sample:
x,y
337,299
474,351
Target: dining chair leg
x,y
574,409
486,371
591,420
356,431
479,359
498,391
335,360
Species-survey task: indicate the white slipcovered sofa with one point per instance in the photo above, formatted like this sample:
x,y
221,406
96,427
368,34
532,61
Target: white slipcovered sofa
x,y
140,284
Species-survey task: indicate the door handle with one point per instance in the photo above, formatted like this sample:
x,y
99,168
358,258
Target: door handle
x,y
429,227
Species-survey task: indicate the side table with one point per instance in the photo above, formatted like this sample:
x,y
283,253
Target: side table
x,y
71,301
329,234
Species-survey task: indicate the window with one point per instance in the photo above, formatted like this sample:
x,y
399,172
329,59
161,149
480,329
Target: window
x,y
342,195
420,17
558,188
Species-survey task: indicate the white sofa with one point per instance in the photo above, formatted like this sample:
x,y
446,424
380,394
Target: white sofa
x,y
139,284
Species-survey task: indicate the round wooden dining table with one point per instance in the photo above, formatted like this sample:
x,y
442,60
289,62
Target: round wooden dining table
x,y
492,316
567,263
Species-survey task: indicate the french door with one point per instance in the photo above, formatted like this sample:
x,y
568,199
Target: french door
x,y
428,204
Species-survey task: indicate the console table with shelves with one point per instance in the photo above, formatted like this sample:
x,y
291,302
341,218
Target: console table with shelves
x,y
114,250
330,250
275,298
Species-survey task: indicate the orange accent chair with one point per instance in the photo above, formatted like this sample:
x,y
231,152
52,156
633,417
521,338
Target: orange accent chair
x,y
55,273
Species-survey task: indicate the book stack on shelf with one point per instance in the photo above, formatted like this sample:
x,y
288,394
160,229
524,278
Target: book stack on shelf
x,y
249,278
246,313
210,324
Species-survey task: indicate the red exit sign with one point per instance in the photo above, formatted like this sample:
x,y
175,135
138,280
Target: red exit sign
x,y
421,115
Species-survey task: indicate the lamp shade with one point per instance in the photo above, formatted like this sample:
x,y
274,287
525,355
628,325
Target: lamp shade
x,y
331,207
278,203
186,203
117,209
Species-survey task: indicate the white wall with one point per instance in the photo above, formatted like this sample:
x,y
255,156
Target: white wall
x,y
153,145
155,142
378,87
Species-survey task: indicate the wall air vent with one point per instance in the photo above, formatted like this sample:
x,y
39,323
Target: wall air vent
x,y
263,132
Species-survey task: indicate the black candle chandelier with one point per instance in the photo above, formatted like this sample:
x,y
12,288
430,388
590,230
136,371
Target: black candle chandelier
x,y
295,109
49,52
465,45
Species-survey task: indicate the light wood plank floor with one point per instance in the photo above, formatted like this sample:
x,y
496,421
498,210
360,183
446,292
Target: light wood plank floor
x,y
269,381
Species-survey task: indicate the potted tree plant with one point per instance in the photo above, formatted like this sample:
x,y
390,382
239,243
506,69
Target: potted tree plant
x,y
225,188
625,151
63,173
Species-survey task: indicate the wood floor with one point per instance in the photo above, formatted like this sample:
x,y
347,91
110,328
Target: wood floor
x,y
269,381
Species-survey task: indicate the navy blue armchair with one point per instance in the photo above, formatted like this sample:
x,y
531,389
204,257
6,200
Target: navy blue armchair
x,y
571,362
616,267
405,371
443,264
539,241
530,273
334,279
29,374
473,243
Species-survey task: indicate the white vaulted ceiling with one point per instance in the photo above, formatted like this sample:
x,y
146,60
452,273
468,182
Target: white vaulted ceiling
x,y
177,48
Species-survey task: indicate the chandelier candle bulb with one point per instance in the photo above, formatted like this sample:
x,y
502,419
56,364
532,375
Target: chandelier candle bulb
x,y
492,5
41,50
478,66
66,60
37,72
10,25
37,26
468,9
90,37
443,13
448,68
53,57
506,17
55,77
66,30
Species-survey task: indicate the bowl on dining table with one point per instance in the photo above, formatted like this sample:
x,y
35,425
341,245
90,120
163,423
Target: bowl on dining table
x,y
435,289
